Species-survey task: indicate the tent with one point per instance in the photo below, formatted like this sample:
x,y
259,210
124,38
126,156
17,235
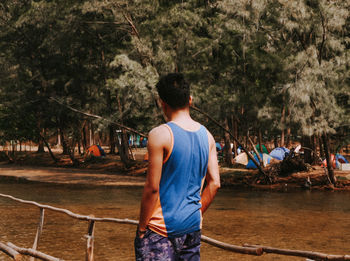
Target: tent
x,y
341,158
264,149
218,146
144,142
336,160
145,157
265,157
241,158
244,160
279,153
96,151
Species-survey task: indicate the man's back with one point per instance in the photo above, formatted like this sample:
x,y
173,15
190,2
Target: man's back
x,y
178,209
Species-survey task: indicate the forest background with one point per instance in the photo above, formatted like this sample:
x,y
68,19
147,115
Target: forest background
x,y
274,70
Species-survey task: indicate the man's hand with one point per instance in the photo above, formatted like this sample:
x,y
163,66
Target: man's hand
x,y
140,233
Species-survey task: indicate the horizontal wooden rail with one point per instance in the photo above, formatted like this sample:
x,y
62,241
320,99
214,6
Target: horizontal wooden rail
x,y
10,252
307,254
257,251
33,253
16,252
245,249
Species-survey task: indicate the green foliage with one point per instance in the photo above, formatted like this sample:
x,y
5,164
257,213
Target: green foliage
x,y
246,61
133,89
316,64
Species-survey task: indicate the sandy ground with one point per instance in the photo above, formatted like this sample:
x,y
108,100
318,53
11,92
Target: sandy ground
x,y
237,178
67,176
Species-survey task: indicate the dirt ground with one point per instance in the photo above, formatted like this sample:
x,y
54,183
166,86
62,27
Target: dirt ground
x,y
109,171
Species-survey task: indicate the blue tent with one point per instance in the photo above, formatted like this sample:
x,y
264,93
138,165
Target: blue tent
x,y
336,161
279,153
144,142
102,151
265,157
341,158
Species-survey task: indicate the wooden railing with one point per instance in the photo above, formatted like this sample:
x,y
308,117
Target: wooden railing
x,y
16,252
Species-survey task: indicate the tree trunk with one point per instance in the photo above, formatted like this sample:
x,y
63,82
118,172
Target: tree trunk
x,y
91,135
261,162
228,149
40,146
247,145
84,136
41,142
124,155
328,158
65,149
282,122
275,142
307,153
111,128
99,138
260,141
71,153
13,147
79,149
235,132
288,137
49,149
314,150
321,147
111,140
124,146
58,138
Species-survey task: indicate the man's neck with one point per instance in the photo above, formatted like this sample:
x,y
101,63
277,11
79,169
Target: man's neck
x,y
183,118
179,115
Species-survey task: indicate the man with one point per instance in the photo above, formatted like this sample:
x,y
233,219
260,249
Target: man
x,y
182,155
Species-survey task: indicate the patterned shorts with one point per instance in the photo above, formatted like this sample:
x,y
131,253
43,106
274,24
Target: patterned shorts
x,y
154,247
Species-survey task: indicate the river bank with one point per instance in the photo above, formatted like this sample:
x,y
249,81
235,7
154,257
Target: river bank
x,y
109,171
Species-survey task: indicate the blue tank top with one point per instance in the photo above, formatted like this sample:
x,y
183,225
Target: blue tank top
x,y
178,209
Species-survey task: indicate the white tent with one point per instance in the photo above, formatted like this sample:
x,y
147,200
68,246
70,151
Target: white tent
x,y
241,158
244,160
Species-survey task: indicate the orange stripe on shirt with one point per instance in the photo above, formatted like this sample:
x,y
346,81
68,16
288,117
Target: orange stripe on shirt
x,y
156,222
171,145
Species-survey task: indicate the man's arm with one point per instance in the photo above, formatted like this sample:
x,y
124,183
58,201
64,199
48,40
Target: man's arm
x,y
157,140
213,176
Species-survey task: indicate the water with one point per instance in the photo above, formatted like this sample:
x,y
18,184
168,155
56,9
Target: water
x,y
315,221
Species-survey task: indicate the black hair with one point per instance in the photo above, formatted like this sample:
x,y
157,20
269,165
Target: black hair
x,y
174,90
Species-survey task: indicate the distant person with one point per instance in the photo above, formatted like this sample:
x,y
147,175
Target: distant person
x,y
239,150
182,154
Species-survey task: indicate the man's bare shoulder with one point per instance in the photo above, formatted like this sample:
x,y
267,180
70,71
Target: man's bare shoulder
x,y
159,130
210,139
159,134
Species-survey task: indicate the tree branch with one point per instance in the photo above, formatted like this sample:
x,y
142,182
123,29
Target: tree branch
x,y
250,156
90,115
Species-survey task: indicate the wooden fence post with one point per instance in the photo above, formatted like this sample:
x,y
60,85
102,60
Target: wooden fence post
x,y
38,231
90,241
